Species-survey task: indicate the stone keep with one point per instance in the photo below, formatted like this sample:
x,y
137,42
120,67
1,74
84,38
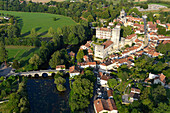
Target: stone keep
x,y
115,37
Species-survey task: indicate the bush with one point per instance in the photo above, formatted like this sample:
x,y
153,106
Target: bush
x,y
60,87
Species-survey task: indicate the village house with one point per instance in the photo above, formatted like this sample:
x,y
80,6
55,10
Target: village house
x,y
87,64
60,67
168,26
104,77
103,106
110,93
134,94
130,39
108,65
160,78
72,54
90,52
152,28
74,70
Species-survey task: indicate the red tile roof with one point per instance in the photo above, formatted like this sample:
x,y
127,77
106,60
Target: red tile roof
x,y
60,66
110,93
73,69
105,76
150,22
105,29
90,51
162,77
102,104
158,21
131,36
153,33
107,44
72,54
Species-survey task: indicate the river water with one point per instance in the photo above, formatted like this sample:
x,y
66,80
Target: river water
x,y
44,97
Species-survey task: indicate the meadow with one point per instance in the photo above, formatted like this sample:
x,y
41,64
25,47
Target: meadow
x,y
40,21
20,53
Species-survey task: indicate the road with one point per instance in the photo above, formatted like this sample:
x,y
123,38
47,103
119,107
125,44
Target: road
x,y
91,107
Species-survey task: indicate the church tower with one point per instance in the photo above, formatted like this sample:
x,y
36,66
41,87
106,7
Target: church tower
x,y
123,16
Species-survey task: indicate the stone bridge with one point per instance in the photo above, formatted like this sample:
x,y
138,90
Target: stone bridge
x,y
40,73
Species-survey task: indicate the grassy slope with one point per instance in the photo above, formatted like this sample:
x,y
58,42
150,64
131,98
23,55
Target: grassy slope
x,y
40,21
45,1
164,4
20,53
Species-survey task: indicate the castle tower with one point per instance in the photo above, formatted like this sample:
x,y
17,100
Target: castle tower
x,y
115,37
123,16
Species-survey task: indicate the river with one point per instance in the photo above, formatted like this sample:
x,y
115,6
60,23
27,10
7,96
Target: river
x,y
44,97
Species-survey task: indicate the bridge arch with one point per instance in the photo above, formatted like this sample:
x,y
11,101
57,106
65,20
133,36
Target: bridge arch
x,y
36,75
44,74
29,76
52,74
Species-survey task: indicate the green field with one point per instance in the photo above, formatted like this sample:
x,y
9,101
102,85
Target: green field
x,y
164,4
20,53
40,21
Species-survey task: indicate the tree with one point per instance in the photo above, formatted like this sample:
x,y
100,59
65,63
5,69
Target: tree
x,y
81,92
59,31
16,64
105,14
159,94
112,83
35,60
51,31
56,59
161,30
11,20
90,18
33,33
60,87
162,108
89,75
59,80
54,19
126,31
12,31
80,55
4,53
3,93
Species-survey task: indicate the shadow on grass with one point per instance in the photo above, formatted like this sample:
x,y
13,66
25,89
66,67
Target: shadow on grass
x,y
29,32
20,22
11,59
43,33
57,19
25,34
25,55
37,29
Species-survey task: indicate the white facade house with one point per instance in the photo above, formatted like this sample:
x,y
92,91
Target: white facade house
x,y
152,76
103,33
160,78
72,74
73,70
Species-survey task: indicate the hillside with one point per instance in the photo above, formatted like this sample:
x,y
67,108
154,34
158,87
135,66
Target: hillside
x,y
40,21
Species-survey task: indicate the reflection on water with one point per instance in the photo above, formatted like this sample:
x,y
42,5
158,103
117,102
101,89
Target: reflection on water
x,y
44,98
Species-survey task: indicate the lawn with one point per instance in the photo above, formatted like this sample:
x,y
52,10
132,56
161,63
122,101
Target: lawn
x,y
20,53
40,21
